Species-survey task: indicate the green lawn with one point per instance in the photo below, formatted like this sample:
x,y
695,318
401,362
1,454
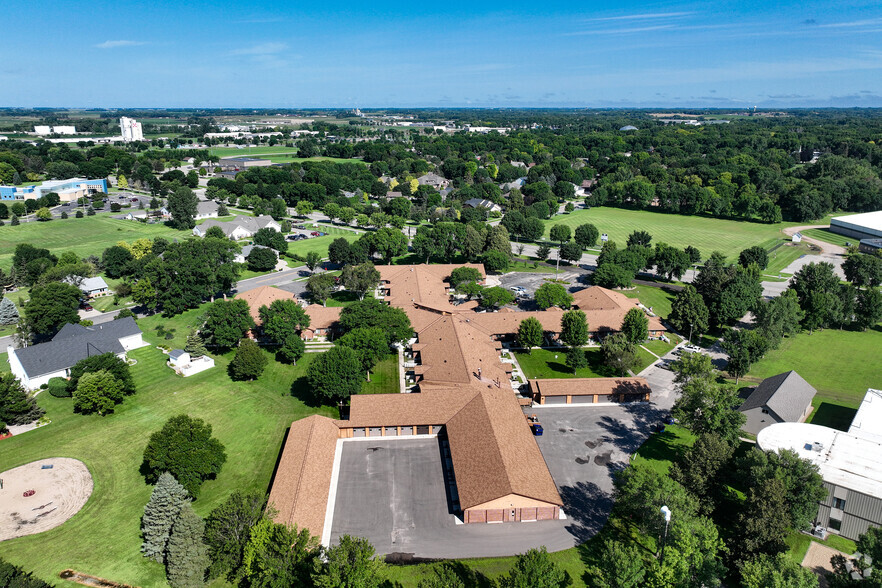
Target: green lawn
x,y
785,255
276,154
250,418
659,299
343,298
841,365
384,377
659,347
664,448
86,236
547,363
798,544
707,234
827,236
319,244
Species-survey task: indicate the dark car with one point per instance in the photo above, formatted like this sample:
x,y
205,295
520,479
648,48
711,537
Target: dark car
x,y
537,429
669,420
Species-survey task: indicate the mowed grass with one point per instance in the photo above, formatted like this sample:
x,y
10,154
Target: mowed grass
x,y
276,154
707,234
548,363
384,377
86,236
318,244
659,299
664,448
828,236
250,419
841,365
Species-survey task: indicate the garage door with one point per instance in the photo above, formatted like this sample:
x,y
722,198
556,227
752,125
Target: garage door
x,y
546,513
475,516
528,514
555,400
358,432
376,431
494,515
583,399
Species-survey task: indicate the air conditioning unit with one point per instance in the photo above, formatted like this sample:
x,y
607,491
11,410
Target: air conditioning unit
x,y
817,447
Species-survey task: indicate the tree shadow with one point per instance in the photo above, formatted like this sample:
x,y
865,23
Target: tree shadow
x,y
301,390
588,508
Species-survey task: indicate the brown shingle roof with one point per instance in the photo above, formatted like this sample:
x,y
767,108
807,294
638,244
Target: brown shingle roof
x,y
433,405
322,317
422,284
452,350
494,453
303,480
262,296
588,386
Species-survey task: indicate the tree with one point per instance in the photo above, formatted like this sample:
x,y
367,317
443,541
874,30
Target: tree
x,y
778,317
227,531
375,313
586,235
669,262
561,234
693,253
182,206
464,274
15,577
542,252
361,278
530,333
291,350
98,392
635,326
535,569
279,556
863,270
166,501
313,259
269,237
282,319
570,251
532,229
184,448
639,238
350,564
107,362
689,312
612,275
868,309
446,576
692,366
261,259
222,209
195,345
15,222
763,529
8,312
495,296
700,466
369,343
215,232
187,555
144,293
304,208
496,261
779,571
320,287
552,294
17,407
574,328
618,353
52,306
43,214
619,566
226,322
336,374
249,361
576,359
707,407
816,286
755,254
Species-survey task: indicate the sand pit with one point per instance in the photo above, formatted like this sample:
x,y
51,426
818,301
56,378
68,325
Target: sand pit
x,y
61,492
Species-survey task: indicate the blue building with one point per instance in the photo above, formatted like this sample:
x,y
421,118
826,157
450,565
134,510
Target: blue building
x,y
67,190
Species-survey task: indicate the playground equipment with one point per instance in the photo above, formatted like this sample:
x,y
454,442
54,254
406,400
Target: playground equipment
x,y
27,493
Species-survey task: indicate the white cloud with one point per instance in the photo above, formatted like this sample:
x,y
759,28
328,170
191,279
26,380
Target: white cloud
x,y
115,44
262,49
643,16
854,23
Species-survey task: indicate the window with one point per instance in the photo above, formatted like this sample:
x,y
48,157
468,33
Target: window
x,y
834,524
839,503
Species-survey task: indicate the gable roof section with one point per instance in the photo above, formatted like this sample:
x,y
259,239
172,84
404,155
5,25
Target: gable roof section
x,y
420,284
322,317
206,207
494,453
786,394
433,405
589,386
452,350
74,343
606,309
303,479
262,296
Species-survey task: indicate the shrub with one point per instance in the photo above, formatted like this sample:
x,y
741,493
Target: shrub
x,y
58,388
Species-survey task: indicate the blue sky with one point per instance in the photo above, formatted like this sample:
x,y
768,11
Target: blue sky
x,y
125,53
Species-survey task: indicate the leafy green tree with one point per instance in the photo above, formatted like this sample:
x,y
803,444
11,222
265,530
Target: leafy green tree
x,y
283,319
586,235
693,253
336,374
291,350
369,343
226,322
532,230
552,294
612,275
779,571
261,259
640,492
144,293
166,501
816,285
692,555
535,569
17,407
187,555
669,262
779,317
868,310
561,234
707,407
446,576
755,254
350,564
277,555
304,208
43,214
763,529
641,238
496,261
635,326
618,566
693,366
98,392
320,287
574,328
227,531
182,206
271,238
249,361
361,279
106,362
689,312
570,251
313,260
863,270
371,312
576,359
52,306
530,333
464,274
215,233
619,354
184,448
495,296
700,467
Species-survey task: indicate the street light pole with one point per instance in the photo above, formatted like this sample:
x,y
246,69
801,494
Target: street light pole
x,y
666,513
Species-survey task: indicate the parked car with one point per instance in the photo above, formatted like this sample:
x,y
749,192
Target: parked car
x,y
692,349
537,429
315,234
519,290
299,226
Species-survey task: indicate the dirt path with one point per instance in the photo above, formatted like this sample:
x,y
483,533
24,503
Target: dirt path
x,y
817,559
824,246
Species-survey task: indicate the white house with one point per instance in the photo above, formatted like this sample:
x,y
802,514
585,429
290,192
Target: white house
x,y
37,364
180,361
94,287
206,209
241,227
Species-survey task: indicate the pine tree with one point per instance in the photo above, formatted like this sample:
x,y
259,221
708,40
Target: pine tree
x,y
186,556
166,502
14,222
16,179
8,312
195,345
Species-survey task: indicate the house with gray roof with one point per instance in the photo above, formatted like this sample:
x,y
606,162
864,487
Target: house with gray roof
x,y
242,256
206,209
785,398
433,180
37,364
241,227
482,203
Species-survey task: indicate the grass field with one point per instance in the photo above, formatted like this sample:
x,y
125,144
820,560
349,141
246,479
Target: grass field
x,y
785,255
319,244
250,418
86,236
841,365
384,377
547,363
276,154
827,236
659,299
707,234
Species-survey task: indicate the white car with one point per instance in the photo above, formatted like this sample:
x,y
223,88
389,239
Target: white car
x,y
692,349
518,289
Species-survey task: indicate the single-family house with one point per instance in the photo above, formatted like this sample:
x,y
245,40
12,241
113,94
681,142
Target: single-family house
x,y
433,180
262,296
242,256
94,287
482,203
785,398
241,227
206,209
37,364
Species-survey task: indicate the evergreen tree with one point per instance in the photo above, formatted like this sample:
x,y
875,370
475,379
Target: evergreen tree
x,y
249,361
195,345
17,407
186,556
15,222
166,502
227,531
8,312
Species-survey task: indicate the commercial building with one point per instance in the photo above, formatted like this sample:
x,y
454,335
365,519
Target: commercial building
x,y
131,129
867,225
67,190
56,130
849,462
240,163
